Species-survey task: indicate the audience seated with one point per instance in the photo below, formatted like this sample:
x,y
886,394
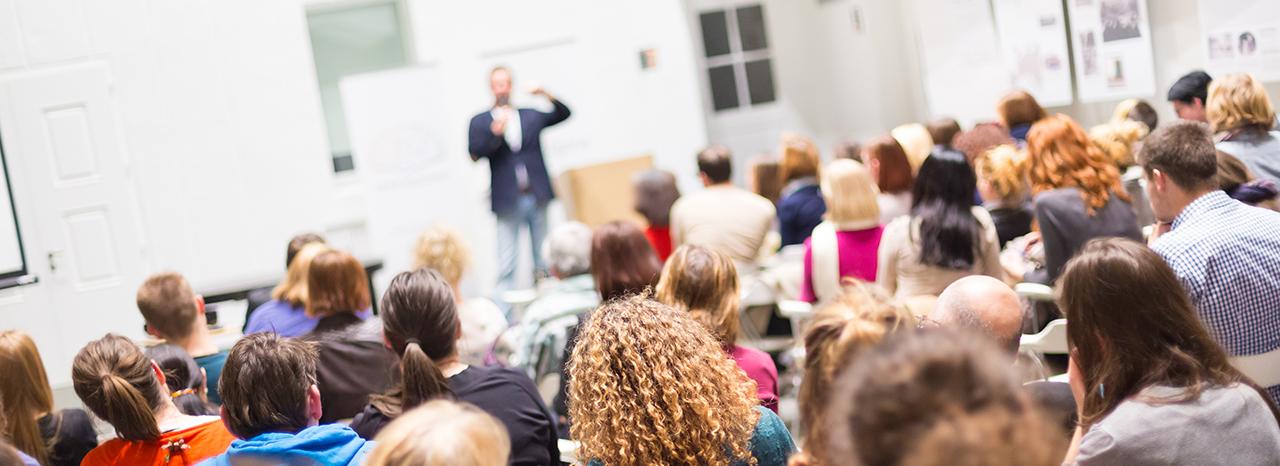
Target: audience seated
x,y
1226,254
844,246
999,173
656,192
943,132
652,386
176,313
1152,385
916,143
1189,95
945,238
572,291
1244,122
934,397
1119,141
800,207
765,179
1018,110
420,323
278,422
54,438
985,305
257,298
704,283
354,362
443,250
859,318
115,380
981,138
1078,194
889,167
1137,111
722,216
183,378
286,314
1235,179
442,433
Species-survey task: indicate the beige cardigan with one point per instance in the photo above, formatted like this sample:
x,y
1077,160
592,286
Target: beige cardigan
x,y
901,273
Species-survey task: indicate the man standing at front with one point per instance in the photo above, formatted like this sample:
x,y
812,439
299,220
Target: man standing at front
x,y
520,189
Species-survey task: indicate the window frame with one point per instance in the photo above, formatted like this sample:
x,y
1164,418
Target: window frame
x,y
737,58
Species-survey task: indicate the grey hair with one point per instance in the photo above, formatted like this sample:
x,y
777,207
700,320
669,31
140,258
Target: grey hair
x,y
567,250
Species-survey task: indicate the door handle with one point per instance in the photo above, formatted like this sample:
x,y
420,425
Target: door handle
x,y
53,257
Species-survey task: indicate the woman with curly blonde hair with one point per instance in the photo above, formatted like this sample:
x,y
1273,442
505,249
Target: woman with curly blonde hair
x,y
1120,141
444,250
651,386
858,319
1241,114
1078,195
1003,190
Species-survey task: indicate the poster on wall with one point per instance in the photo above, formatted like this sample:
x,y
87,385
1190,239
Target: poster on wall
x,y
963,72
1112,44
1241,36
1033,40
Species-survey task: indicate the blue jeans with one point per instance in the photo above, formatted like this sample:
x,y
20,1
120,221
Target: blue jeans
x,y
527,212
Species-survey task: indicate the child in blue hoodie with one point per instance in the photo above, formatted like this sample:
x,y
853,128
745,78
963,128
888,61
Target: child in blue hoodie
x,y
272,405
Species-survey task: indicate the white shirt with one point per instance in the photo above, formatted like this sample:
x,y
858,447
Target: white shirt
x,y
514,135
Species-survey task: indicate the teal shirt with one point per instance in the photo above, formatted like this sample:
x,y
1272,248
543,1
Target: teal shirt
x,y
771,442
212,365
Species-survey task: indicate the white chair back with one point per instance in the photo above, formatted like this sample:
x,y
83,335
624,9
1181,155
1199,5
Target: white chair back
x,y
1051,340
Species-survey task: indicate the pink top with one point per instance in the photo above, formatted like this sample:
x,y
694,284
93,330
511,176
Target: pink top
x,y
858,249
759,367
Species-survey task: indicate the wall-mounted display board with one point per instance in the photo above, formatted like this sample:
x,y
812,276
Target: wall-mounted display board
x,y
1033,41
1241,36
1111,40
963,72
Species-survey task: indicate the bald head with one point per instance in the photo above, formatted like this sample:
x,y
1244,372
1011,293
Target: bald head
x,y
984,303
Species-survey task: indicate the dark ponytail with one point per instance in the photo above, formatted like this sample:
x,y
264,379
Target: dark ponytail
x,y
114,379
183,379
420,320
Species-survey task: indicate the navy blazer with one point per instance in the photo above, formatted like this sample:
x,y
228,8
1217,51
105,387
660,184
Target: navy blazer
x,y
799,213
503,187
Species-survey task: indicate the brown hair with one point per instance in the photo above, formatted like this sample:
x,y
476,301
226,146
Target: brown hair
x,y
297,243
656,192
1060,155
943,131
443,249
849,149
1019,108
115,380
935,397
799,158
1183,151
336,283
168,305
859,318
1133,326
442,433
420,322
765,178
622,260
893,175
24,393
981,138
648,385
704,283
293,289
251,407
1232,173
1239,102
716,162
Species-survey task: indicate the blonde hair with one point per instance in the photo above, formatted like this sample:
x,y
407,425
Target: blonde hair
x,y
915,141
851,194
24,393
703,283
1117,140
442,433
1238,101
648,385
799,158
293,289
859,318
1002,167
442,248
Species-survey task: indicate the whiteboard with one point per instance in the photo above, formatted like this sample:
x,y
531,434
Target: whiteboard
x,y
1241,36
1111,40
12,261
1033,37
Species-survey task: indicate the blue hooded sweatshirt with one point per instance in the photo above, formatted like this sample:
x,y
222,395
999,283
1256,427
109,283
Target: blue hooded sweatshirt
x,y
325,445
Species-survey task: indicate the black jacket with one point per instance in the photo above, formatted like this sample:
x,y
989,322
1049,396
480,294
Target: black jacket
x,y
482,143
354,363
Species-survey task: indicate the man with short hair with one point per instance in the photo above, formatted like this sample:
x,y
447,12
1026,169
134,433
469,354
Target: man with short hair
x,y
984,304
273,407
1188,95
723,217
176,313
1227,254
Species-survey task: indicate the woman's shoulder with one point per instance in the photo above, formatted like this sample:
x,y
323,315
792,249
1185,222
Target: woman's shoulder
x,y
771,442
369,422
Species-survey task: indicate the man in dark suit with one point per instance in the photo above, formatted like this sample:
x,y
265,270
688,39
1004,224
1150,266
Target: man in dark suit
x,y
520,188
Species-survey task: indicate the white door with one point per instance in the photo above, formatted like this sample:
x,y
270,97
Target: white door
x,y
83,243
